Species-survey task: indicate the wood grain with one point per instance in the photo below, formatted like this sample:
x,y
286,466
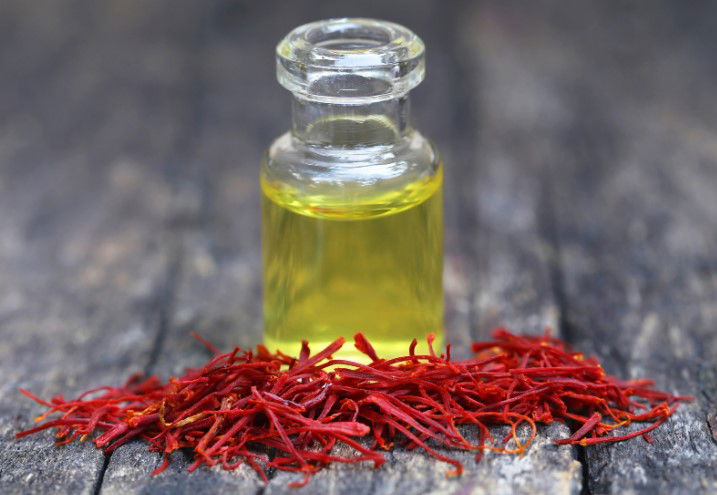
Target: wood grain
x,y
86,256
637,249
627,168
580,178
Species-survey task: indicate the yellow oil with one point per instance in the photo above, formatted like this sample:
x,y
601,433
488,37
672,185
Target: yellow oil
x,y
333,268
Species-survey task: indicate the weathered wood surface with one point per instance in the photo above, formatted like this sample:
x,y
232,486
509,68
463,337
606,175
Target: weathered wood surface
x,y
581,177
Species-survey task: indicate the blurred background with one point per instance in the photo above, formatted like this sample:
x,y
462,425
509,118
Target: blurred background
x,y
581,168
132,131
131,134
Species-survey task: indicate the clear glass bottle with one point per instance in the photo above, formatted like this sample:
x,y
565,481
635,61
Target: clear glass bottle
x,y
352,216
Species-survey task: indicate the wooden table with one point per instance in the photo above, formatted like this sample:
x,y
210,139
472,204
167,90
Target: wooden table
x,y
581,147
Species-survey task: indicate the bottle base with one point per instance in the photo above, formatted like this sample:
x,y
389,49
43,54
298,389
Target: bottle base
x,y
386,349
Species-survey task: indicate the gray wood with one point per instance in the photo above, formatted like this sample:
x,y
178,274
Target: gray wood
x,y
579,177
85,250
630,212
638,269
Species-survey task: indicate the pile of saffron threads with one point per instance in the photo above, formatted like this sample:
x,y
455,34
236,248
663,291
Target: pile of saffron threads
x,y
277,412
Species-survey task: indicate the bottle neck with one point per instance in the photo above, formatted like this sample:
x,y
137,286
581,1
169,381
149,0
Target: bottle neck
x,y
350,126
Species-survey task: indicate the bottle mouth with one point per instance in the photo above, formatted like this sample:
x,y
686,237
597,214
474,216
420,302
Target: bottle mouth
x,y
350,61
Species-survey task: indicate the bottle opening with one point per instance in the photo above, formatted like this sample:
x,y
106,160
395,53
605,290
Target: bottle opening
x,y
346,45
350,61
348,36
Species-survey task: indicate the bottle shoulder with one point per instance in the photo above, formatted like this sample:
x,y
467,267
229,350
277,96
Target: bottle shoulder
x,y
351,181
411,157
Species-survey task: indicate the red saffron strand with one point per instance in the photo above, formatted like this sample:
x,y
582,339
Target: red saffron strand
x,y
278,412
204,342
586,428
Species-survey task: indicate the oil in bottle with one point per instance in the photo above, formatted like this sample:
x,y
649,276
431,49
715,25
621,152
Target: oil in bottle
x,y
332,272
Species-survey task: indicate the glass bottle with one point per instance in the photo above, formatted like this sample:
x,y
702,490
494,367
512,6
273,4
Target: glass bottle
x,y
352,214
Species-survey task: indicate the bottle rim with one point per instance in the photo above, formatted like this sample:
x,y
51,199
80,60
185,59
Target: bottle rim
x,y
350,60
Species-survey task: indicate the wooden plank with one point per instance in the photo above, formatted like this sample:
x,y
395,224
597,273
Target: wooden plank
x,y
218,284
512,284
632,214
637,256
90,115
